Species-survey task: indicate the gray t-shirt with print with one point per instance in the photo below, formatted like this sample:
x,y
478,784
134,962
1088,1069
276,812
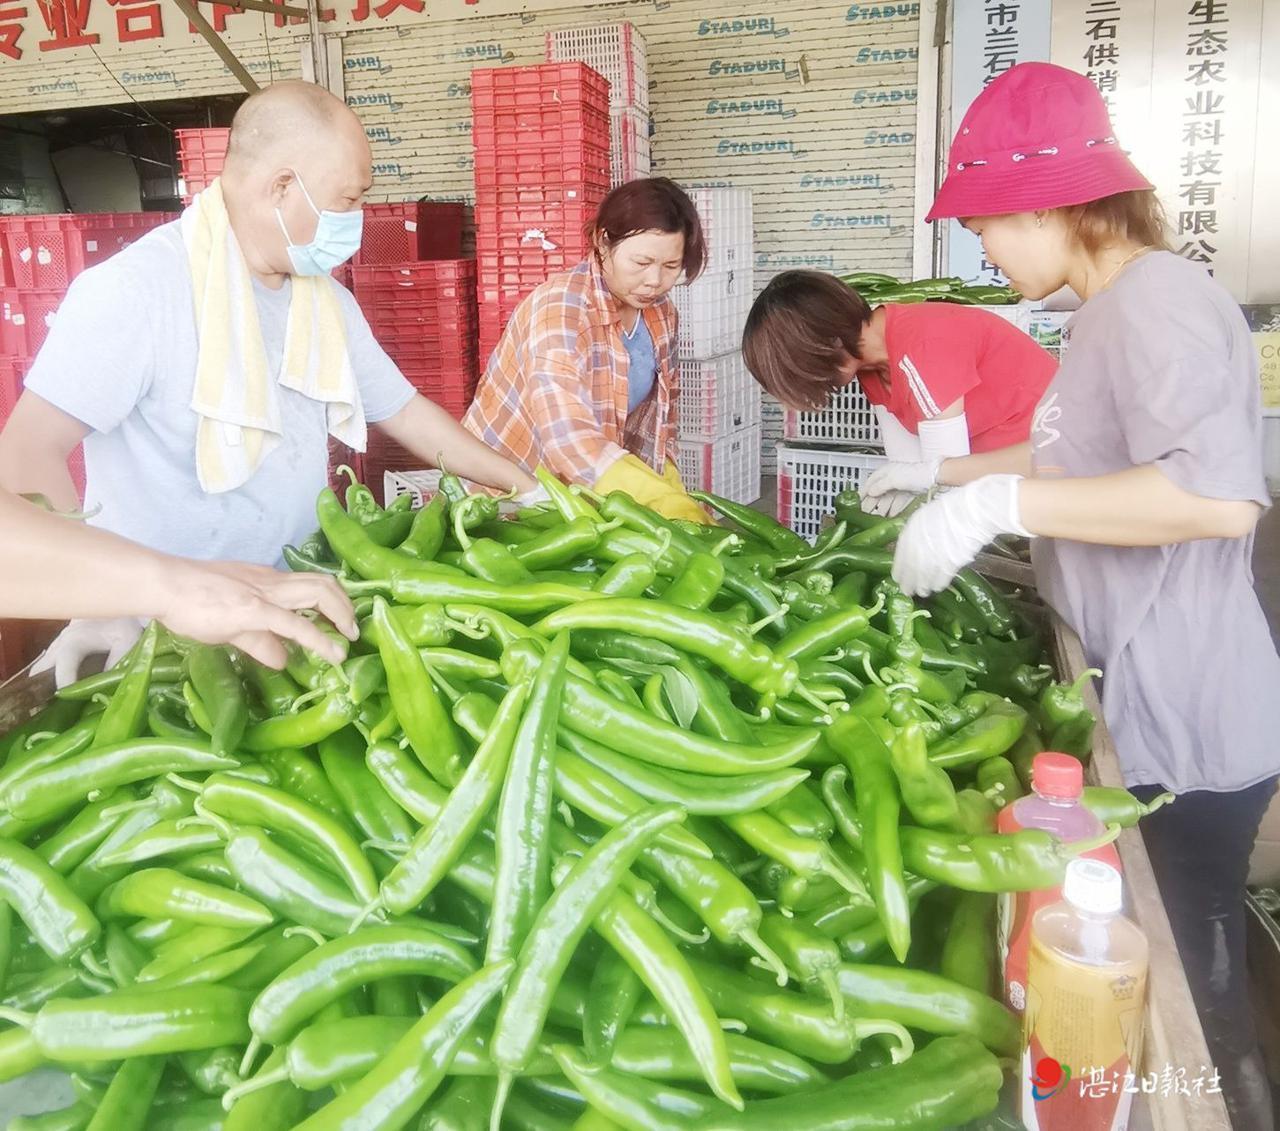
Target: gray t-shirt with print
x,y
121,358
1161,370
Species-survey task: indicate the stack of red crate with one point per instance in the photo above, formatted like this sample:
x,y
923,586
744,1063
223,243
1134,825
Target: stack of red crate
x,y
39,256
201,155
541,137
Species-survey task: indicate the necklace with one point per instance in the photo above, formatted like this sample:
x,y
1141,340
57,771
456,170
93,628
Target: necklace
x,y
1121,266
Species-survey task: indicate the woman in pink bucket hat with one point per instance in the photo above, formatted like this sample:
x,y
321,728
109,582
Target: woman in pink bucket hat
x,y
1140,488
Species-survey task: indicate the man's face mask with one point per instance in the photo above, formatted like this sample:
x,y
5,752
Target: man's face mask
x,y
336,240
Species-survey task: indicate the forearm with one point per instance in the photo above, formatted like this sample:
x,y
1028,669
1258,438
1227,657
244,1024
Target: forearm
x,y
1135,507
56,567
431,433
38,471
960,470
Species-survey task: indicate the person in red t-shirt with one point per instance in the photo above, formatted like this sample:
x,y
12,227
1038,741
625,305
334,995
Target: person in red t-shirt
x,y
945,380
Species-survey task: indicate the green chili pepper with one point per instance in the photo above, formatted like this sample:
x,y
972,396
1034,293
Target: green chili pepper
x,y
218,685
427,530
1064,703
878,805
627,577
161,893
73,1118
926,787
755,523
290,886
123,718
128,1023
698,583
437,846
825,634
80,835
968,957
406,1078
690,630
362,797
1119,806
560,924
248,803
698,794
492,561
809,955
930,1003
553,548
299,775
57,918
658,1053
592,713
615,991
997,774
656,962
332,970
610,681
990,606
803,812
305,728
1028,860
43,755
166,838
992,733
524,811
464,1107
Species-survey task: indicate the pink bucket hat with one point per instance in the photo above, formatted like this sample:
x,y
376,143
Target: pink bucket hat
x,y
1037,137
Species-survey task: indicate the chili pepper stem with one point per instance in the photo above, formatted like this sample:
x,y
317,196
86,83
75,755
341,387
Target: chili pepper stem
x,y
367,911
471,631
670,926
237,1092
724,543
765,622
250,1055
829,982
91,964
505,1080
390,847
1084,677
212,819
749,937
17,1017
308,932
349,472
872,675
441,682
803,693
906,1045
459,531
1083,847
306,698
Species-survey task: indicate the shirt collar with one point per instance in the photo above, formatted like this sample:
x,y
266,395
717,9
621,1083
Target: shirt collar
x,y
603,301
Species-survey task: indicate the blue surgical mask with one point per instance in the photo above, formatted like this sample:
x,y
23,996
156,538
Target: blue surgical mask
x,y
336,240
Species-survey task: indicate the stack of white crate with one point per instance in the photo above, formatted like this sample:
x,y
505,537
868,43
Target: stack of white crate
x,y
719,405
616,51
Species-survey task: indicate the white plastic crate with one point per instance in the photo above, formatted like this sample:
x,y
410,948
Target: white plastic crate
x,y
713,311
847,419
629,149
717,396
729,466
617,51
809,479
727,225
420,484
771,414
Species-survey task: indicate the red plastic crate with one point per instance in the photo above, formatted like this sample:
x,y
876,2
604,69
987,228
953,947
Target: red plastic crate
x,y
12,370
453,386
411,230
424,283
48,251
566,82
516,124
433,357
542,161
201,155
25,318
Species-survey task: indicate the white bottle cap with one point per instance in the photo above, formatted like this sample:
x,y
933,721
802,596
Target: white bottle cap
x,y
1092,886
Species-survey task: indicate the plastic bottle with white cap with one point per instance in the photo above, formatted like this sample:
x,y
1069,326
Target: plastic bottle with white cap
x,y
1086,995
1054,805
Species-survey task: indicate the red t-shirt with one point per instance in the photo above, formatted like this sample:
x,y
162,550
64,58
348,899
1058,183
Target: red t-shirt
x,y
940,352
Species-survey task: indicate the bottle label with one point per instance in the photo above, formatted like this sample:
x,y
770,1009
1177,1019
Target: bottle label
x,y
1080,1018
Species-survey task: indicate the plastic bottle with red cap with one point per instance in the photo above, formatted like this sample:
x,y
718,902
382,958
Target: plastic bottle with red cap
x,y
1054,805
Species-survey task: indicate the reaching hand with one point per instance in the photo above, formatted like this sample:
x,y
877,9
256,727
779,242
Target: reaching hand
x,y
254,608
84,638
945,535
881,491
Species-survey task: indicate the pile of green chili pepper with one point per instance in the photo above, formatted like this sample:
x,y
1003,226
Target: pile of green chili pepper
x,y
606,821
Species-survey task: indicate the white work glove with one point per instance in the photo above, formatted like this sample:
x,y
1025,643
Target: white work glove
x,y
888,504
944,536
532,498
84,638
896,478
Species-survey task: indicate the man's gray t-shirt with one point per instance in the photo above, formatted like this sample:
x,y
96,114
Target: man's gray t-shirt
x,y
1161,370
121,358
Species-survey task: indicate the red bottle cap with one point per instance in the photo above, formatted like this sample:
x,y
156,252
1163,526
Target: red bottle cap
x,y
1057,775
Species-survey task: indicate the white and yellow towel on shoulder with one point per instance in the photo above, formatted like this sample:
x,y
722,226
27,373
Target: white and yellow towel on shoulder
x,y
234,395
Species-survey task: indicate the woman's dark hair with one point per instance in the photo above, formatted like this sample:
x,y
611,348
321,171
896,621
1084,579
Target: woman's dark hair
x,y
796,333
1136,215
651,204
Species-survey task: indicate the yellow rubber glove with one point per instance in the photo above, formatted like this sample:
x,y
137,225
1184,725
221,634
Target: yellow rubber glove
x,y
632,475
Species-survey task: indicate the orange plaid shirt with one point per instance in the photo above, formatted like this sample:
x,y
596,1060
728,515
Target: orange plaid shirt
x,y
555,390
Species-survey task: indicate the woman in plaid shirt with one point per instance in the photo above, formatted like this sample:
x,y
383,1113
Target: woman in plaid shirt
x,y
583,380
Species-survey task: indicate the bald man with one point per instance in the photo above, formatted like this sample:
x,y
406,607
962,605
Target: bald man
x,y
118,368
